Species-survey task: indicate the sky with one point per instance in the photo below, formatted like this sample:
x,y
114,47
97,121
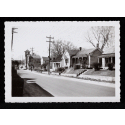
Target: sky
x,y
33,34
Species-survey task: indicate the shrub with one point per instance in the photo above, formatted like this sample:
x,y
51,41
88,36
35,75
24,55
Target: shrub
x,y
84,66
110,66
96,66
61,69
43,66
66,67
77,66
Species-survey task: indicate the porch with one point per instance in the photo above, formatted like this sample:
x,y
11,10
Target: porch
x,y
105,59
55,65
80,60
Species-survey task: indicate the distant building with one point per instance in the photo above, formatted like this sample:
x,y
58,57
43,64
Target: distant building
x,y
33,60
44,60
27,53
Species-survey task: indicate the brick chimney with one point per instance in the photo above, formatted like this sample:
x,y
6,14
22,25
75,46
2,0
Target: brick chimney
x,y
97,46
80,48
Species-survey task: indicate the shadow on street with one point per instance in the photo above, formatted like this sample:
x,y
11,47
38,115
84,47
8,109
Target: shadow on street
x,y
34,90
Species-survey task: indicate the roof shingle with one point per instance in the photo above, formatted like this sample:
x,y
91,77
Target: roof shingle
x,y
58,59
109,50
73,52
84,52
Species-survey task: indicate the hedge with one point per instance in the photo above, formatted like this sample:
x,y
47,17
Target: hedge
x,y
96,66
110,66
77,66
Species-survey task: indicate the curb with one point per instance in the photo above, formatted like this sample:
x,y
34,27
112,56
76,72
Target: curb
x,y
98,78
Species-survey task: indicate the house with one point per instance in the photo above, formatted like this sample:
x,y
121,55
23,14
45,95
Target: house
x,y
108,56
59,61
56,63
64,60
90,56
32,60
44,60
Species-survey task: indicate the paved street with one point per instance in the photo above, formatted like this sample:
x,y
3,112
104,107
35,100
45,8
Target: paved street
x,y
60,86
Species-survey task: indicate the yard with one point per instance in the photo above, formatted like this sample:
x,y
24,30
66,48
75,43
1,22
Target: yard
x,y
100,73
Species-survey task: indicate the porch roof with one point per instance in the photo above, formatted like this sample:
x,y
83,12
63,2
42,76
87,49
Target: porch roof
x,y
107,55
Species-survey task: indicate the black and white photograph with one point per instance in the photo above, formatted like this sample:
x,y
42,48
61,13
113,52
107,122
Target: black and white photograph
x,y
62,61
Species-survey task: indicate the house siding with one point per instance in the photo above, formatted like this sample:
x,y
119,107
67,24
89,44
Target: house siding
x,y
87,62
94,57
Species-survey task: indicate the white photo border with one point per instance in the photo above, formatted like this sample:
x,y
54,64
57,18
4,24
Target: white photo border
x,y
9,98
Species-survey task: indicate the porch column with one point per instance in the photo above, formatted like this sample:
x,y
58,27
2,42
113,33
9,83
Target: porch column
x,y
89,61
98,60
53,67
111,60
103,62
78,60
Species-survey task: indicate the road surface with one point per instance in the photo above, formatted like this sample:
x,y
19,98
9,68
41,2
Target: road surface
x,y
60,86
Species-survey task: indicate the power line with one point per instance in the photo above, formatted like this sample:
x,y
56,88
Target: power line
x,y
12,36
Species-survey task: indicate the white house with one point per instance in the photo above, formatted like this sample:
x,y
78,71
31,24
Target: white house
x,y
60,61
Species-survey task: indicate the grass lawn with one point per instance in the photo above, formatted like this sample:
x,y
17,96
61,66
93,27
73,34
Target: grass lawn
x,y
101,73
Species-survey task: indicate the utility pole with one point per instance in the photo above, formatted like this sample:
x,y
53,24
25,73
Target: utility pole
x,y
49,52
12,37
32,50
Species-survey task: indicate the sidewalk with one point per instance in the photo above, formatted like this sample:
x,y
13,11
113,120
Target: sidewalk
x,y
100,83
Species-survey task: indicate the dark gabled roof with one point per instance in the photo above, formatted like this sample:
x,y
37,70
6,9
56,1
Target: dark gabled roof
x,y
109,50
85,52
35,56
73,52
45,58
58,59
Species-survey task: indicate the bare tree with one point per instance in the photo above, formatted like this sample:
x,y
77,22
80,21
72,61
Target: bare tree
x,y
107,35
102,35
89,39
59,47
96,34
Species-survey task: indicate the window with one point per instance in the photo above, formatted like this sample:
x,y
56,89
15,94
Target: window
x,y
109,59
106,61
100,61
66,60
